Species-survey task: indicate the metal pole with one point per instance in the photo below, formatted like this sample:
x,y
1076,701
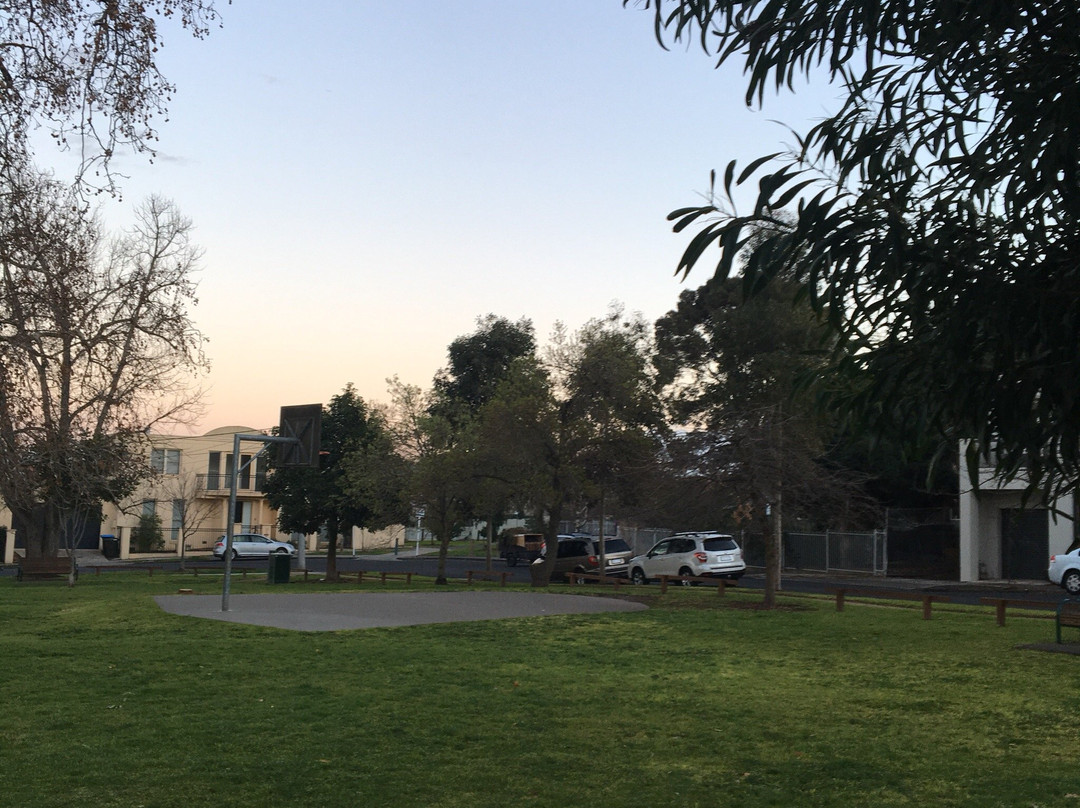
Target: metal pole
x,y
266,440
301,550
229,523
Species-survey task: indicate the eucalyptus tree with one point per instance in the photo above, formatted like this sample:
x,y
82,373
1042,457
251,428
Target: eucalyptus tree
x,y
937,211
731,371
564,425
436,448
476,364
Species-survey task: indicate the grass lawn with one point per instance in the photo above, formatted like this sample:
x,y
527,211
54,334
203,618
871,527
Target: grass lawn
x,y
108,701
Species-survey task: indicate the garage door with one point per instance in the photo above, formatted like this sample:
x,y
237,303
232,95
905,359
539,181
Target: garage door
x,y
1025,548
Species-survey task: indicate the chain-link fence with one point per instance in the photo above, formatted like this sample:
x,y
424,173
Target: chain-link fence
x,y
831,551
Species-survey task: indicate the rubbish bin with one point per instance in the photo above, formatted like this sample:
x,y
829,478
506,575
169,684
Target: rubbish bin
x,y
110,546
536,572
278,571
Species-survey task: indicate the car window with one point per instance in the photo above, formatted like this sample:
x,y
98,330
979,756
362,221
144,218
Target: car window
x,y
720,543
568,549
615,546
660,549
682,545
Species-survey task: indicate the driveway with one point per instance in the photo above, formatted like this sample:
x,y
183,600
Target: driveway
x,y
352,610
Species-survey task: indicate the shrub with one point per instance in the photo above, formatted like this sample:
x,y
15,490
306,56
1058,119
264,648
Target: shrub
x,y
147,536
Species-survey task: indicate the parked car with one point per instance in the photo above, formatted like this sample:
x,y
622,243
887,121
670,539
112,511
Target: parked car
x,y
523,547
252,545
617,554
710,555
1065,571
574,554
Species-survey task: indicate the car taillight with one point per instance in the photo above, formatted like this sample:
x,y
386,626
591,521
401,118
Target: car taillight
x,y
592,561
1052,558
701,557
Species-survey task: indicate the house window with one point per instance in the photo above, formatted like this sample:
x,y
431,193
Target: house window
x,y
213,472
217,477
149,507
177,519
165,461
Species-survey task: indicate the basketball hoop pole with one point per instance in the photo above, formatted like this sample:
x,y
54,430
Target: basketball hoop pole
x,y
237,468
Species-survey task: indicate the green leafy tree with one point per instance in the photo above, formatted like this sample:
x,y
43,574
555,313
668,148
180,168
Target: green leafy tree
x,y
562,429
334,496
731,367
479,361
440,466
938,215
477,364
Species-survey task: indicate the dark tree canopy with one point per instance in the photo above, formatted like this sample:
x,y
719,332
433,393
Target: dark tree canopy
x,y
937,217
479,361
341,493
732,371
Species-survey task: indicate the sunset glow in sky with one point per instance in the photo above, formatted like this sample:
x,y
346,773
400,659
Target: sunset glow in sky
x,y
367,178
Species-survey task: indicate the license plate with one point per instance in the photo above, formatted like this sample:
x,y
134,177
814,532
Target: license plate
x,y
725,558
614,561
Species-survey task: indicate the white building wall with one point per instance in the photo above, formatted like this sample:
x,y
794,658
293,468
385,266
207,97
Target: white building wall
x,y
980,522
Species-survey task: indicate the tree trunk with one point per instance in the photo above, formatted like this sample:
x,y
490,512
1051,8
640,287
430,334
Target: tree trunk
x,y
444,549
40,531
773,534
331,551
551,542
490,541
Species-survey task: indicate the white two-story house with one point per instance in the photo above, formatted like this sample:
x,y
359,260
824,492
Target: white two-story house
x,y
1004,538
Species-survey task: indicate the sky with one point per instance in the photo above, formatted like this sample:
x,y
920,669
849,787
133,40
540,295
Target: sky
x,y
367,178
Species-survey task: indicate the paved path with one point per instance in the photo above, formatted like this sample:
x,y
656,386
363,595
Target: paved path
x,y
352,610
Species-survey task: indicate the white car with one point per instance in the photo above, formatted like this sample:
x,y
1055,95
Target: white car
x,y
1065,571
708,555
253,545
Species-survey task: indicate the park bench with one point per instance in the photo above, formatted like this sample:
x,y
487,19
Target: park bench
x,y
1001,604
44,568
1068,614
484,575
384,575
582,577
689,580
841,592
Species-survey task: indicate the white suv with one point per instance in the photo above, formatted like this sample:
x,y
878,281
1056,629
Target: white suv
x,y
712,555
1065,571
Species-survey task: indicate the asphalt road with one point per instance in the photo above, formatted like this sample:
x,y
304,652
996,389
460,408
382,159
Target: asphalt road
x,y
427,565
456,567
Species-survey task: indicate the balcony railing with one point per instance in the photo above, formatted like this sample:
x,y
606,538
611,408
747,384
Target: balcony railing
x,y
221,482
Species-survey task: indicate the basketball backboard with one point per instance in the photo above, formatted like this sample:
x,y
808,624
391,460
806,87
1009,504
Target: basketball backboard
x,y
303,422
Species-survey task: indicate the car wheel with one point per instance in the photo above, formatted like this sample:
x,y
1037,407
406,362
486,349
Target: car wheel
x,y
1071,582
280,551
686,572
511,559
638,577
580,581
235,554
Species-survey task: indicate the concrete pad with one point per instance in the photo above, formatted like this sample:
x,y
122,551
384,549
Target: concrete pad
x,y
352,610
